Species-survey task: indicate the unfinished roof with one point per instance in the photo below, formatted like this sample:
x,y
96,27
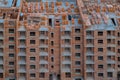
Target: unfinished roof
x,y
50,7
18,3
95,14
1,21
9,3
101,16
52,13
6,3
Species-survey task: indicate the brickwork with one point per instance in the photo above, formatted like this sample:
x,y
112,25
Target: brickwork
x,y
59,40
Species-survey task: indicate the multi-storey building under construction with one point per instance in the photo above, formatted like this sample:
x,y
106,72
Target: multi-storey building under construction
x,y
59,39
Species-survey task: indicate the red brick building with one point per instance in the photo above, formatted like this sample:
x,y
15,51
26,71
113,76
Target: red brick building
x,y
59,40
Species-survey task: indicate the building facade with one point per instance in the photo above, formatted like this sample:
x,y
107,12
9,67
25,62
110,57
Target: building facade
x,y
59,40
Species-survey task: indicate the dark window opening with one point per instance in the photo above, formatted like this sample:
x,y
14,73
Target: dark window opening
x,y
11,30
52,43
100,74
32,66
113,21
32,33
52,51
77,38
68,75
11,63
11,79
100,57
69,17
4,15
1,75
32,75
77,63
118,43
118,34
77,70
77,46
42,75
58,77
32,41
78,79
57,21
32,50
52,59
50,22
52,66
11,71
118,58
11,46
118,75
100,33
110,74
52,35
100,66
32,58
50,77
11,38
100,49
118,50
77,54
100,41
77,30
118,66
11,55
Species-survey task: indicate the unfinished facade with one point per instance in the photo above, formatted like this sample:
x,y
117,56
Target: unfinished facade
x,y
59,40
